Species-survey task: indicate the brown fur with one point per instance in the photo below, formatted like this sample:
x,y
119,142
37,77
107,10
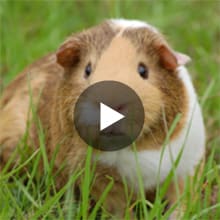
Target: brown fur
x,y
173,98
55,90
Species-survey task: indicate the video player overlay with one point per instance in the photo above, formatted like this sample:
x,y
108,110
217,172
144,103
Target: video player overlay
x,y
109,115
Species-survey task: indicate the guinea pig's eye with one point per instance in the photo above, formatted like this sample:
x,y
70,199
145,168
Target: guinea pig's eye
x,y
142,70
88,70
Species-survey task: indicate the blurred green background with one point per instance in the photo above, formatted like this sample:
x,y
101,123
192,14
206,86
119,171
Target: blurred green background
x,y
30,29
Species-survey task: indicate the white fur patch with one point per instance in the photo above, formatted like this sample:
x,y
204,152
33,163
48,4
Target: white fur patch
x,y
123,23
192,138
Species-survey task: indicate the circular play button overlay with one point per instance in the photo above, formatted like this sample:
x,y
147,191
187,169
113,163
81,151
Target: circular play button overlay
x,y
109,115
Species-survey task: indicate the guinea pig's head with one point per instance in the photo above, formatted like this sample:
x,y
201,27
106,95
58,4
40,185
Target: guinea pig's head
x,y
137,55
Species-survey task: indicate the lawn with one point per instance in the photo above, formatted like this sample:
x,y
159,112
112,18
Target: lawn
x,y
31,29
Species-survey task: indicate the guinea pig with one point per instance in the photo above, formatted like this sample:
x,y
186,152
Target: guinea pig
x,y
127,51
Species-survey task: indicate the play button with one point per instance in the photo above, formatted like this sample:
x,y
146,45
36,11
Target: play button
x,y
108,115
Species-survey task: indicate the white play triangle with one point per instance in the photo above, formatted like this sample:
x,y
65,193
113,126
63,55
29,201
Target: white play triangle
x,y
108,116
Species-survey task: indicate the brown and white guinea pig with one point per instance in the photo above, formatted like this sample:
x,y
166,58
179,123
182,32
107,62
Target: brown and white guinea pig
x,y
113,50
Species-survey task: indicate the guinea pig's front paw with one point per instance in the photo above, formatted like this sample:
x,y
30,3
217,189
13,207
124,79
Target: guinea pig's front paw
x,y
177,214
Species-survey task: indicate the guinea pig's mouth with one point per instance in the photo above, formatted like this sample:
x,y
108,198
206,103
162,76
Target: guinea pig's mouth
x,y
112,133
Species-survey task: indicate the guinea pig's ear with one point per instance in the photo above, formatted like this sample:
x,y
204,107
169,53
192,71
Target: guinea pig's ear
x,y
68,54
170,59
182,59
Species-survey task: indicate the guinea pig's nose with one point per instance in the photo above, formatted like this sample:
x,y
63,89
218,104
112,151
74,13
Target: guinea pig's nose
x,y
120,108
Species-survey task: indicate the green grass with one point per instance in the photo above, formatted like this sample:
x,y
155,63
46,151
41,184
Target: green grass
x,y
32,29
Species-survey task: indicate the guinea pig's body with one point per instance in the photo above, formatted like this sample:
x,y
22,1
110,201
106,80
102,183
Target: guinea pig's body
x,y
113,50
